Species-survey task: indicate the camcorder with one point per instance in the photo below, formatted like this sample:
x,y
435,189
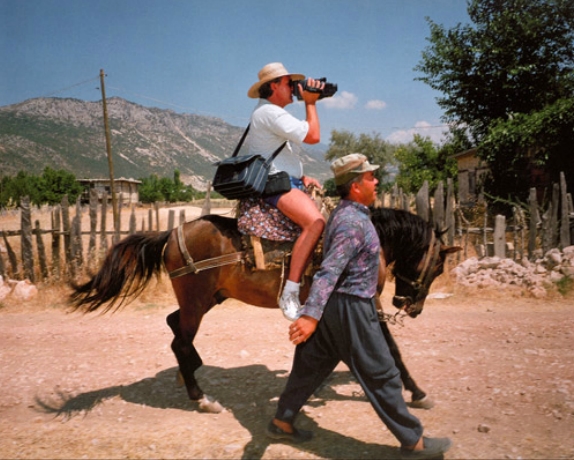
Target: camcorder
x,y
328,90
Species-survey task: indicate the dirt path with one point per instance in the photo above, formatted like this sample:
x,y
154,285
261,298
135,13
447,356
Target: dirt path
x,y
501,370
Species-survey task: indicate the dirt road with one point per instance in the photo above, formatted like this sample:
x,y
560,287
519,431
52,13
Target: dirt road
x,y
500,369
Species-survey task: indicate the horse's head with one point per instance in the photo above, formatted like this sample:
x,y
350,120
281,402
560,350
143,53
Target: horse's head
x,y
414,275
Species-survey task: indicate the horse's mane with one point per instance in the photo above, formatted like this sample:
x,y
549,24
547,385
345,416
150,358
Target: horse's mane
x,y
401,231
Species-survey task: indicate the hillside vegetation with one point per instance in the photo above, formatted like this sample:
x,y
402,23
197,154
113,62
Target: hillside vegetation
x,y
69,134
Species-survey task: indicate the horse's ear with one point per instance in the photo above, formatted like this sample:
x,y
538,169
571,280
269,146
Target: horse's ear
x,y
450,249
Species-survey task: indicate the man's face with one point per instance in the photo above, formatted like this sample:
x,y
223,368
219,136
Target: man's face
x,y
367,188
282,92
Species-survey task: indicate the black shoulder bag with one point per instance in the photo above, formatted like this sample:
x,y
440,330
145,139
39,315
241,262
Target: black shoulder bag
x,y
247,175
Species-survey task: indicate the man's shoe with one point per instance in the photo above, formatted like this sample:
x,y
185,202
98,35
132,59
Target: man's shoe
x,y
298,436
433,447
290,306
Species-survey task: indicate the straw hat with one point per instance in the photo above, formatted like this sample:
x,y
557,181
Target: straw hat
x,y
271,72
350,166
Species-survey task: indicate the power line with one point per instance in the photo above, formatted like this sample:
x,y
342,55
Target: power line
x,y
189,109
72,86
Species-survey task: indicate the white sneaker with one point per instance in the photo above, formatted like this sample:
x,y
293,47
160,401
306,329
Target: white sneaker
x,y
289,304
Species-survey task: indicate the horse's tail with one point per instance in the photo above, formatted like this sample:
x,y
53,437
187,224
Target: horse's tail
x,y
126,271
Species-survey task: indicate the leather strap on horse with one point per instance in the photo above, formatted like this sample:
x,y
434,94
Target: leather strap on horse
x,y
195,267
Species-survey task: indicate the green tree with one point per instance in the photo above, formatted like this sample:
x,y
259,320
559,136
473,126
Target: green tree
x,y
518,58
54,185
21,185
377,150
149,189
506,81
420,161
547,137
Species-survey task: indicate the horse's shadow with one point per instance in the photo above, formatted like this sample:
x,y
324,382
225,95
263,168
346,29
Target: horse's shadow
x,y
245,391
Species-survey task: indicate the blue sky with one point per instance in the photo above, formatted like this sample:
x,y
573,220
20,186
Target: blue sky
x,y
202,56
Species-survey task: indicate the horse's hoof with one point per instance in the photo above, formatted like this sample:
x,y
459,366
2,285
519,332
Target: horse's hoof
x,y
425,403
179,379
206,404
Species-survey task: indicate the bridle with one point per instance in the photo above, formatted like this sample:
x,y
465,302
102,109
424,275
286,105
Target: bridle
x,y
422,284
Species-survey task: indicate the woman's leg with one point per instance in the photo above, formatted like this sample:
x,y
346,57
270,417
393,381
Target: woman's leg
x,y
302,210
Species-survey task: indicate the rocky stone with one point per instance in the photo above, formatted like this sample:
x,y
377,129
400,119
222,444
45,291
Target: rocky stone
x,y
535,277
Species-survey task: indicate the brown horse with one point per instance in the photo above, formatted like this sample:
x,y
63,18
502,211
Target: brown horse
x,y
206,262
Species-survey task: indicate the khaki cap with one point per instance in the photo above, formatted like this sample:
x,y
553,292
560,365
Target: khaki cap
x,y
271,72
350,166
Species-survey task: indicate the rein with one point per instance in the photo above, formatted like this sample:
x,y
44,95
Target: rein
x,y
422,283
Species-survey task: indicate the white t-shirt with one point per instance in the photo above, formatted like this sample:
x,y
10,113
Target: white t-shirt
x,y
272,125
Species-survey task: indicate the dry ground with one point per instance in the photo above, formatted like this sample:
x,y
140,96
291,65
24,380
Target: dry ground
x,y
500,368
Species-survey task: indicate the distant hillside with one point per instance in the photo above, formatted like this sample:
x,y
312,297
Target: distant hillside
x,y
69,134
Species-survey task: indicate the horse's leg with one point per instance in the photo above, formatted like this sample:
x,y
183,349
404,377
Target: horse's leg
x,y
187,357
419,397
189,361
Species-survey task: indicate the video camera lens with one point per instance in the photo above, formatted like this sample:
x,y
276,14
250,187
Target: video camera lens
x,y
328,90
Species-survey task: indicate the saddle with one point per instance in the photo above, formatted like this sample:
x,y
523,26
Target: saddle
x,y
269,235
267,239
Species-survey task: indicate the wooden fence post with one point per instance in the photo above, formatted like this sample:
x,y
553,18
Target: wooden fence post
x,y
41,251
438,209
2,267
518,233
65,208
103,225
449,212
156,205
170,219
26,238
555,235
565,218
92,253
133,220
56,239
206,209
78,245
422,202
117,231
485,232
533,223
500,237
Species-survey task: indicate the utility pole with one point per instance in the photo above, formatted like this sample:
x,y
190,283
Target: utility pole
x,y
110,161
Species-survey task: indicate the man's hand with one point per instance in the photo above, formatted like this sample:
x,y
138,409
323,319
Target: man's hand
x,y
308,96
301,329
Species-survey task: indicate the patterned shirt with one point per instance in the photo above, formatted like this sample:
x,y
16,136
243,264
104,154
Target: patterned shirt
x,y
350,258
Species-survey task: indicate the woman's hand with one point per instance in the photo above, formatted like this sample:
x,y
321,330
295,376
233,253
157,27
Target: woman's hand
x,y
308,181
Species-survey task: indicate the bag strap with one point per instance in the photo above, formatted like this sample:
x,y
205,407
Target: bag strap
x,y
275,153
270,159
236,151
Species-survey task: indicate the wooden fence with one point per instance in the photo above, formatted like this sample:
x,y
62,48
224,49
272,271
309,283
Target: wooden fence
x,y
73,248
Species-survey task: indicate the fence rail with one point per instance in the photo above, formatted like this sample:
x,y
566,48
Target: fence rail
x,y
78,244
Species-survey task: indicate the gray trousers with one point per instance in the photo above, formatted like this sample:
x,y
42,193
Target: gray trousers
x,y
349,331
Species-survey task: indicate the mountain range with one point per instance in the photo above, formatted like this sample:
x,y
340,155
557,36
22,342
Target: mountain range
x,y
68,134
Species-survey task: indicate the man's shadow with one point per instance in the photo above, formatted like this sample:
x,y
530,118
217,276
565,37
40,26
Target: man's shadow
x,y
245,391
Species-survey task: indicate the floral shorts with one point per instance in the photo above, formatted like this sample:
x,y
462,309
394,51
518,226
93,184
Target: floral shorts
x,y
256,217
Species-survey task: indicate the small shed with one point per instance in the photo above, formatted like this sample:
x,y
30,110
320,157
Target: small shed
x,y
127,190
470,170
